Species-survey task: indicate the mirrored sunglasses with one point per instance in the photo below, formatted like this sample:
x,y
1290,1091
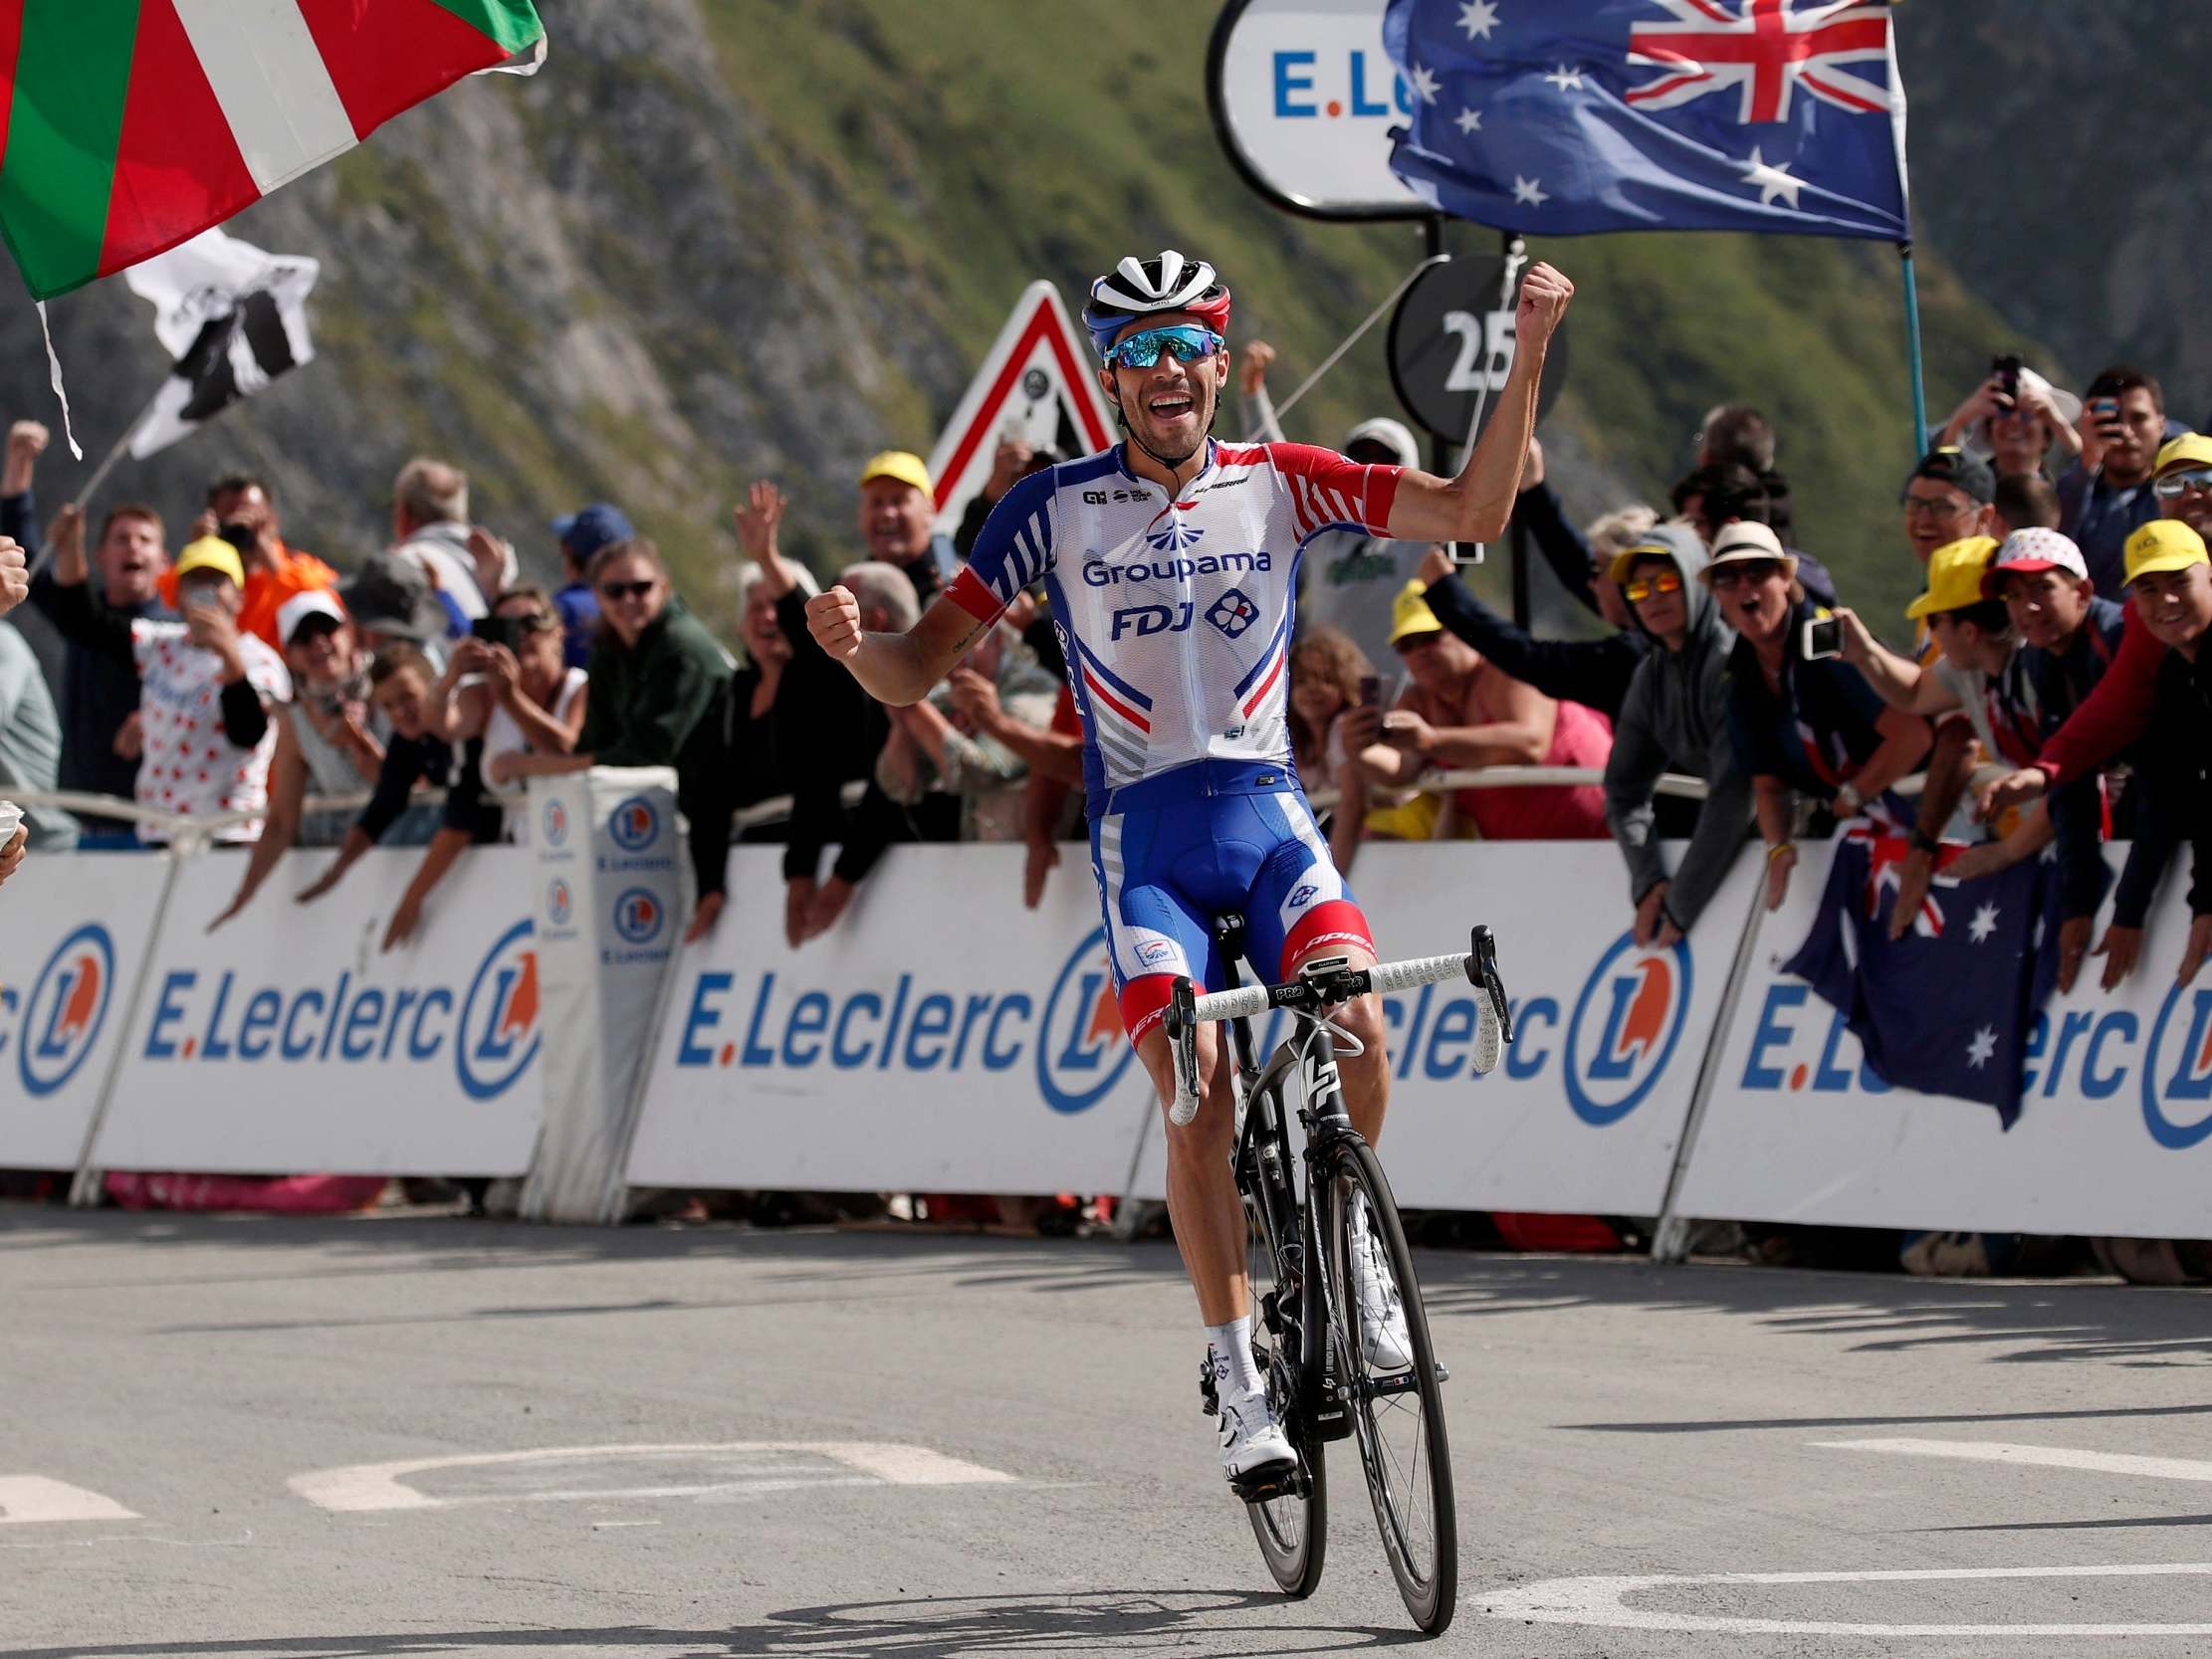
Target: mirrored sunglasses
x,y
1643,587
2176,485
1186,342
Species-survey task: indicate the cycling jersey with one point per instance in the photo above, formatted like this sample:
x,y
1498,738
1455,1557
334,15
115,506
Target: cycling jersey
x,y
1175,616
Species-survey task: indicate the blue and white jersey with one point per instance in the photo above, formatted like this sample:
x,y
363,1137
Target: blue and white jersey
x,y
1175,614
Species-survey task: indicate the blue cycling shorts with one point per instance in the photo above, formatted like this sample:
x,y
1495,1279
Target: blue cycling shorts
x,y
1213,839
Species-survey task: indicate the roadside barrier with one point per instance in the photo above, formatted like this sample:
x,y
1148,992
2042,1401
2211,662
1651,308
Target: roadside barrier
x,y
546,1023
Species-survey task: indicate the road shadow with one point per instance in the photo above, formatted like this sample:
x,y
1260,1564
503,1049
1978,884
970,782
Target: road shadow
x,y
1196,1622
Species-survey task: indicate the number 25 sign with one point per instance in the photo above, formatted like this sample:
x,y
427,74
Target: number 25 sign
x,y
1451,345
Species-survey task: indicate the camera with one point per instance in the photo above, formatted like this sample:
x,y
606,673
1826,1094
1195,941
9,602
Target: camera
x,y
497,630
2005,371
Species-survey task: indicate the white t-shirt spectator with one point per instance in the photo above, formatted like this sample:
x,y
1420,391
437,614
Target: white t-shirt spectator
x,y
190,765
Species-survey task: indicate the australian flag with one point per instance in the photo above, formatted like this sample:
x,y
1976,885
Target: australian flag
x,y
1947,1008
1564,118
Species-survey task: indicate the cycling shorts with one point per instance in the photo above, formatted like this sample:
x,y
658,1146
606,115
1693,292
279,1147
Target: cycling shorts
x,y
1215,838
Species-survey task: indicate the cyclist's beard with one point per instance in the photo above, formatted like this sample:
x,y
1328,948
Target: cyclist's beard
x,y
1172,462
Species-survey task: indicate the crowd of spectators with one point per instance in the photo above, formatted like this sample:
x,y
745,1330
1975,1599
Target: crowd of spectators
x,y
241,679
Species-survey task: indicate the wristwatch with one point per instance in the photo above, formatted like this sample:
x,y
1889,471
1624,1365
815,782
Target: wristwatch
x,y
1922,842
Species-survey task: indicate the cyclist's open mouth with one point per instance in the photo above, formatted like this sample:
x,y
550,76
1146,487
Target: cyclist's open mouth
x,y
1168,408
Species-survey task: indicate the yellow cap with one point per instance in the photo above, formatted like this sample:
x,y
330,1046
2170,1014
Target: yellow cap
x,y
902,465
1410,614
2191,448
1955,572
2163,545
211,552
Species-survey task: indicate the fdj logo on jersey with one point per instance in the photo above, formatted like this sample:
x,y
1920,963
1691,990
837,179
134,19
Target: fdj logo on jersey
x,y
638,915
1232,613
1073,1043
68,1005
634,824
489,1029
1624,1027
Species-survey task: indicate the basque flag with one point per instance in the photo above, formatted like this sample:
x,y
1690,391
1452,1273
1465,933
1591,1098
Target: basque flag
x,y
1947,1008
1565,118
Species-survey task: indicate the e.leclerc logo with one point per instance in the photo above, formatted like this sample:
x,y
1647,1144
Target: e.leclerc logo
x,y
1075,1042
1624,1027
638,915
634,824
560,903
490,1028
557,823
1082,1051
68,1005
2179,1077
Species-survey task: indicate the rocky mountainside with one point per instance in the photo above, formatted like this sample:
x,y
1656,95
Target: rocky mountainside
x,y
714,240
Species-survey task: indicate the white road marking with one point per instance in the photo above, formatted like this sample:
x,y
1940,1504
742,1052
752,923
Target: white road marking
x,y
2048,1457
1602,1602
33,1498
382,1486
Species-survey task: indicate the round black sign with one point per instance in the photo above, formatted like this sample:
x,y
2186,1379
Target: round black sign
x,y
1450,339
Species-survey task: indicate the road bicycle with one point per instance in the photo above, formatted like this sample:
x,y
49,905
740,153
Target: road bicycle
x,y
1322,1382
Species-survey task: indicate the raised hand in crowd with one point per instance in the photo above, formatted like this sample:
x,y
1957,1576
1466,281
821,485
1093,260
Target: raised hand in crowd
x,y
1009,463
26,441
1984,401
2121,947
65,539
1435,563
1252,365
492,559
212,628
11,855
15,576
2195,953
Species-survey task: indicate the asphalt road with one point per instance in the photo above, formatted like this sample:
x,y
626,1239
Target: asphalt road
x,y
904,1444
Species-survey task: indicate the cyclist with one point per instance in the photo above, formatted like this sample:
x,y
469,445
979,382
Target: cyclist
x,y
1169,560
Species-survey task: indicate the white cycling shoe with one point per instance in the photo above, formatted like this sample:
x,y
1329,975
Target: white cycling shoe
x,y
1384,1340
1253,1447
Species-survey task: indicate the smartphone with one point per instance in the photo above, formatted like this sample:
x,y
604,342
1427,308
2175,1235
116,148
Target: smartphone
x,y
2105,412
1371,691
495,630
1823,637
2006,371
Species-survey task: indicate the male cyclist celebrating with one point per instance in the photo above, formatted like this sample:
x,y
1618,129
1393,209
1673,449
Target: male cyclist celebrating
x,y
1171,561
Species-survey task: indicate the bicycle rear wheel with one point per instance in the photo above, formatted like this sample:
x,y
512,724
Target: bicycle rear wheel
x,y
1292,1529
1396,1416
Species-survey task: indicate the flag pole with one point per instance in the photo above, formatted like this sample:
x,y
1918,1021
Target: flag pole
x,y
1912,351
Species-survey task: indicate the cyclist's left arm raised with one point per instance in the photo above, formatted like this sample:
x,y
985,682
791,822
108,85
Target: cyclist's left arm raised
x,y
1476,505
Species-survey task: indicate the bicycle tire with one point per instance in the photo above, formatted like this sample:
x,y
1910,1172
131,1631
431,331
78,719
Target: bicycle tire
x,y
1405,1457
1292,1531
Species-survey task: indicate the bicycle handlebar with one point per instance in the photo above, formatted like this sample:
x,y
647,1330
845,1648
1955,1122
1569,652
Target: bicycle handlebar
x,y
1325,989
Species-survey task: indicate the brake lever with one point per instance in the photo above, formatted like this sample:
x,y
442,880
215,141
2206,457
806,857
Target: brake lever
x,y
1482,972
1183,1040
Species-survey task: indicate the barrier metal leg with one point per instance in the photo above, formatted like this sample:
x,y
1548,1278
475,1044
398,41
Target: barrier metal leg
x,y
1133,1215
85,1189
1671,1240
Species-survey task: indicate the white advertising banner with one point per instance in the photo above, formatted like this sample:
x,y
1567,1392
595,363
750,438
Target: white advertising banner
x,y
1305,97
2115,1133
1584,1113
609,860
74,929
289,1041
941,1039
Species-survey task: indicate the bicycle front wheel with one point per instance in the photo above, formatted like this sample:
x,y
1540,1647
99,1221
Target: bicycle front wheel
x,y
1292,1529
1397,1409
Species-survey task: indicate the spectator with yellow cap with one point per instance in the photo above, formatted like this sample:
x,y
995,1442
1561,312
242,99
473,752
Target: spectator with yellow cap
x,y
898,513
204,683
2182,485
1983,670
1674,715
2170,581
1461,711
1802,726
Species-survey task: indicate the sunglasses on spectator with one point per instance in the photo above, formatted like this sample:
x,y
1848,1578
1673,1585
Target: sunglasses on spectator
x,y
1753,571
1936,507
1640,589
535,622
1186,342
2176,485
627,590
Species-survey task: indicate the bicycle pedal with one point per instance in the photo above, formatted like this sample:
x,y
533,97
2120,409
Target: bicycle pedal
x,y
1276,1480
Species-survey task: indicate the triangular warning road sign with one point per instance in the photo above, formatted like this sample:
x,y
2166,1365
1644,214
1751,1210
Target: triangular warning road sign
x,y
1036,381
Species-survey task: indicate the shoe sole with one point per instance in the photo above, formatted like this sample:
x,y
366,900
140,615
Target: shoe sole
x,y
1270,1480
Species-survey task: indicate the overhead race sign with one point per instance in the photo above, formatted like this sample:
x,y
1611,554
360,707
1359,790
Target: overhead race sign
x,y
1452,343
1037,384
1304,98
